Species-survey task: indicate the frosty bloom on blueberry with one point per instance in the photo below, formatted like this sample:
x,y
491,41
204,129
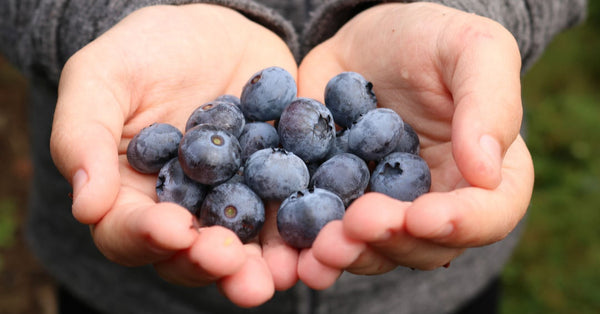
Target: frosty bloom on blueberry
x,y
304,213
375,134
344,174
209,155
172,185
267,93
223,114
275,173
153,147
349,95
236,207
256,136
306,128
403,176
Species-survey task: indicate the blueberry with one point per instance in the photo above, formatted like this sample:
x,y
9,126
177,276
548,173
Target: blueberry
x,y
340,145
266,93
236,207
153,147
349,95
304,213
238,177
222,114
403,176
275,173
256,136
230,99
375,134
209,155
312,167
345,174
306,128
409,141
174,186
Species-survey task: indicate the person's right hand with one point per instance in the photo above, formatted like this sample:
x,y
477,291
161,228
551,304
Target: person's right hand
x,y
158,65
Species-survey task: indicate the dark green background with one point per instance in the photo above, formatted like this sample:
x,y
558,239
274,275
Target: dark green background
x,y
556,268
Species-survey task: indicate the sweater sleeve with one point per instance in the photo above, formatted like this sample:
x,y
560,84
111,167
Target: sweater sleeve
x,y
38,36
532,22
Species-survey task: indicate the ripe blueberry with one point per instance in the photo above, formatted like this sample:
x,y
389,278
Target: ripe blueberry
x,y
229,98
345,174
349,95
304,213
172,185
236,207
409,141
222,114
256,136
403,176
306,128
340,144
375,134
153,147
266,93
275,173
209,155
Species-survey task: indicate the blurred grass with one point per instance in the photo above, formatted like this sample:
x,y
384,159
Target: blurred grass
x,y
556,268
8,222
8,226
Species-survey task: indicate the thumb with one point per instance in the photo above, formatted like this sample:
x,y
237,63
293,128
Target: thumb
x,y
486,88
316,69
84,143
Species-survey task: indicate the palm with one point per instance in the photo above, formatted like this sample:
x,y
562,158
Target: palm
x,y
428,107
455,79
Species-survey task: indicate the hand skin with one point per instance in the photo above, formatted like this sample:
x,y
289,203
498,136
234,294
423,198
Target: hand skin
x,y
158,65
455,77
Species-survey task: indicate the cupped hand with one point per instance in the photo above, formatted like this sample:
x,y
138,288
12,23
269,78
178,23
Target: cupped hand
x,y
454,77
158,65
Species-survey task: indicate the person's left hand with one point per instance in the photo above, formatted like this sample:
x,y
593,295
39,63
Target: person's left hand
x,y
454,77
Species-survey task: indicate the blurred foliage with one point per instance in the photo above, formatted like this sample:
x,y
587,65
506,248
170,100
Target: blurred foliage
x,y
8,226
8,222
556,267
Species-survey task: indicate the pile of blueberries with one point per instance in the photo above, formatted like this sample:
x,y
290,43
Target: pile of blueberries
x,y
271,145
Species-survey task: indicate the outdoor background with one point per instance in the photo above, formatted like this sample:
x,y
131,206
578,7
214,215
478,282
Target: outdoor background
x,y
556,268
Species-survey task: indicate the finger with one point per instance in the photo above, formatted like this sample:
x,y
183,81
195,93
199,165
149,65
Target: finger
x,y
84,142
217,252
379,221
137,231
334,248
374,217
316,69
483,75
281,258
473,216
405,250
315,274
180,271
371,262
252,285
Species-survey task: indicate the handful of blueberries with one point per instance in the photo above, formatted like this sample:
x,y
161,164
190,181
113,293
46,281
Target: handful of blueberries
x,y
315,160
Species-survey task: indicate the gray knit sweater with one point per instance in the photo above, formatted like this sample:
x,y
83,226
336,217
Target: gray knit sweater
x,y
39,35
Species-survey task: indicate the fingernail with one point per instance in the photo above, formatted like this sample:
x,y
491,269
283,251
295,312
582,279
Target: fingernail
x,y
80,179
492,148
